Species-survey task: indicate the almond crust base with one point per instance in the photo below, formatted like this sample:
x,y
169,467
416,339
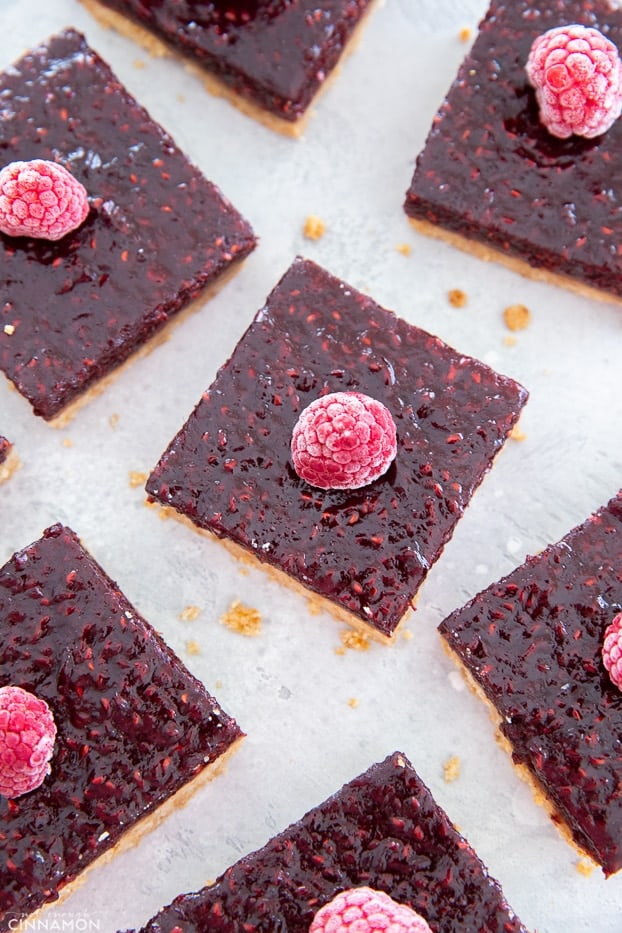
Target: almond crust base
x,y
133,836
491,254
540,796
8,467
158,48
316,603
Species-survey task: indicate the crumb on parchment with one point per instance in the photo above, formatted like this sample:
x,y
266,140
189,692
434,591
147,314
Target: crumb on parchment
x,y
353,702
355,641
584,866
451,769
314,228
404,248
465,33
516,434
517,317
190,613
193,647
457,298
137,478
242,619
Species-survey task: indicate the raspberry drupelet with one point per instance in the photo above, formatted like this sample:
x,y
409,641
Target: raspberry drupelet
x,y
40,199
612,650
363,910
343,440
27,736
577,75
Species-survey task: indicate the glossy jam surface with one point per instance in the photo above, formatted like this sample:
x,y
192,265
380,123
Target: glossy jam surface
x,y
492,173
157,234
133,725
368,550
533,642
382,830
276,52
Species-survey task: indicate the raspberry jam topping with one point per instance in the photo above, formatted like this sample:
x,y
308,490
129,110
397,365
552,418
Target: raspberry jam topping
x,y
363,910
612,650
343,440
27,736
40,199
577,75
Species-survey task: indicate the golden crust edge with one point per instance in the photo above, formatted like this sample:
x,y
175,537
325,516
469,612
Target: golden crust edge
x,y
62,419
491,254
315,601
133,836
158,48
9,466
539,794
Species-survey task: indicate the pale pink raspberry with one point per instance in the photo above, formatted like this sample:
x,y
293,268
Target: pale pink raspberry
x,y
363,910
27,736
343,441
40,199
612,650
577,75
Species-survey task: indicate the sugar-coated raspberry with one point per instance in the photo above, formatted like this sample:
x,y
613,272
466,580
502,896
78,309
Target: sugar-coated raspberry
x,y
40,199
363,910
27,736
577,76
612,650
343,441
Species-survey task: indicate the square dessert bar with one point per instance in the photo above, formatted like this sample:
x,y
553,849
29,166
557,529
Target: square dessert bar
x,y
383,830
363,553
136,732
493,180
531,644
269,57
157,233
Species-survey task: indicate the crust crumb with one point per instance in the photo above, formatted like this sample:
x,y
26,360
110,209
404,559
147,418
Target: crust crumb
x,y
404,248
457,298
451,769
113,420
242,619
407,635
517,317
67,442
465,34
353,702
509,341
190,613
193,647
356,641
516,434
314,227
585,867
137,478
139,63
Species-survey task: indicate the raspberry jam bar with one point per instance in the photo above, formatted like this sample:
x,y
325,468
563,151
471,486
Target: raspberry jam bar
x,y
156,235
269,57
493,179
383,831
532,644
136,733
361,553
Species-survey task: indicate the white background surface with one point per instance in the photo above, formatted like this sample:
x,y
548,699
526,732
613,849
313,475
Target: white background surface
x,y
289,688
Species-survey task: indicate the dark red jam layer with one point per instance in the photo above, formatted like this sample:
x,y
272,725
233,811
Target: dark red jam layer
x,y
533,643
492,173
157,234
277,53
5,448
367,550
383,830
133,725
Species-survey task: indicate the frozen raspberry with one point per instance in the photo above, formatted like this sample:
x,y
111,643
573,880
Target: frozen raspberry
x,y
612,650
27,735
363,910
40,199
577,75
343,441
